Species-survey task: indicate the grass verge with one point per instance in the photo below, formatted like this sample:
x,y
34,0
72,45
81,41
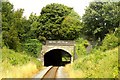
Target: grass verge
x,y
97,65
18,65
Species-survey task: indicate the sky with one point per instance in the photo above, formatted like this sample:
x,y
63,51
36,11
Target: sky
x,y
35,6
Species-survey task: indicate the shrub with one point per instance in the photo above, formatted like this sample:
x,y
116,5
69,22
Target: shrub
x,y
117,34
14,58
17,58
109,42
81,45
32,46
97,65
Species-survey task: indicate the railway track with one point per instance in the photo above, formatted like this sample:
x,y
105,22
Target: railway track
x,y
51,73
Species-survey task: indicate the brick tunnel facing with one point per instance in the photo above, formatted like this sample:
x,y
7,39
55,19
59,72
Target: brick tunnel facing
x,y
57,57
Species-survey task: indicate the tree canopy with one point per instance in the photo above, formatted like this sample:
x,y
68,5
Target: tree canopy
x,y
14,26
101,18
58,22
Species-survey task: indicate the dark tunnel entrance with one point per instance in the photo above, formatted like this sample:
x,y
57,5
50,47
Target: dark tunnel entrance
x,y
57,57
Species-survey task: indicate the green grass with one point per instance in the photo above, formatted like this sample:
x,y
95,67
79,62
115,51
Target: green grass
x,y
97,65
18,64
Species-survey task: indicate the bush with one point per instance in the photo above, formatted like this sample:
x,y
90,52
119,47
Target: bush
x,y
81,45
109,42
117,34
97,65
33,47
11,40
17,58
14,58
19,63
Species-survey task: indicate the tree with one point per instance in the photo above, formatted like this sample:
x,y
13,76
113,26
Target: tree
x,y
34,24
58,22
101,18
14,26
7,15
21,24
9,33
72,24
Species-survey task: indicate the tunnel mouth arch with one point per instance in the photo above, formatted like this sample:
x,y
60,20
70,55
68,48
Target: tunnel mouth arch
x,y
57,57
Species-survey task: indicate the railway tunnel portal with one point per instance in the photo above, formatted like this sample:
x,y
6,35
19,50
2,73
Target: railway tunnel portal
x,y
58,52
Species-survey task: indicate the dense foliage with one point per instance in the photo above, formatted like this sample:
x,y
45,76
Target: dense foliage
x,y
14,26
110,41
17,58
58,22
96,65
80,47
18,64
101,18
32,46
17,31
100,22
